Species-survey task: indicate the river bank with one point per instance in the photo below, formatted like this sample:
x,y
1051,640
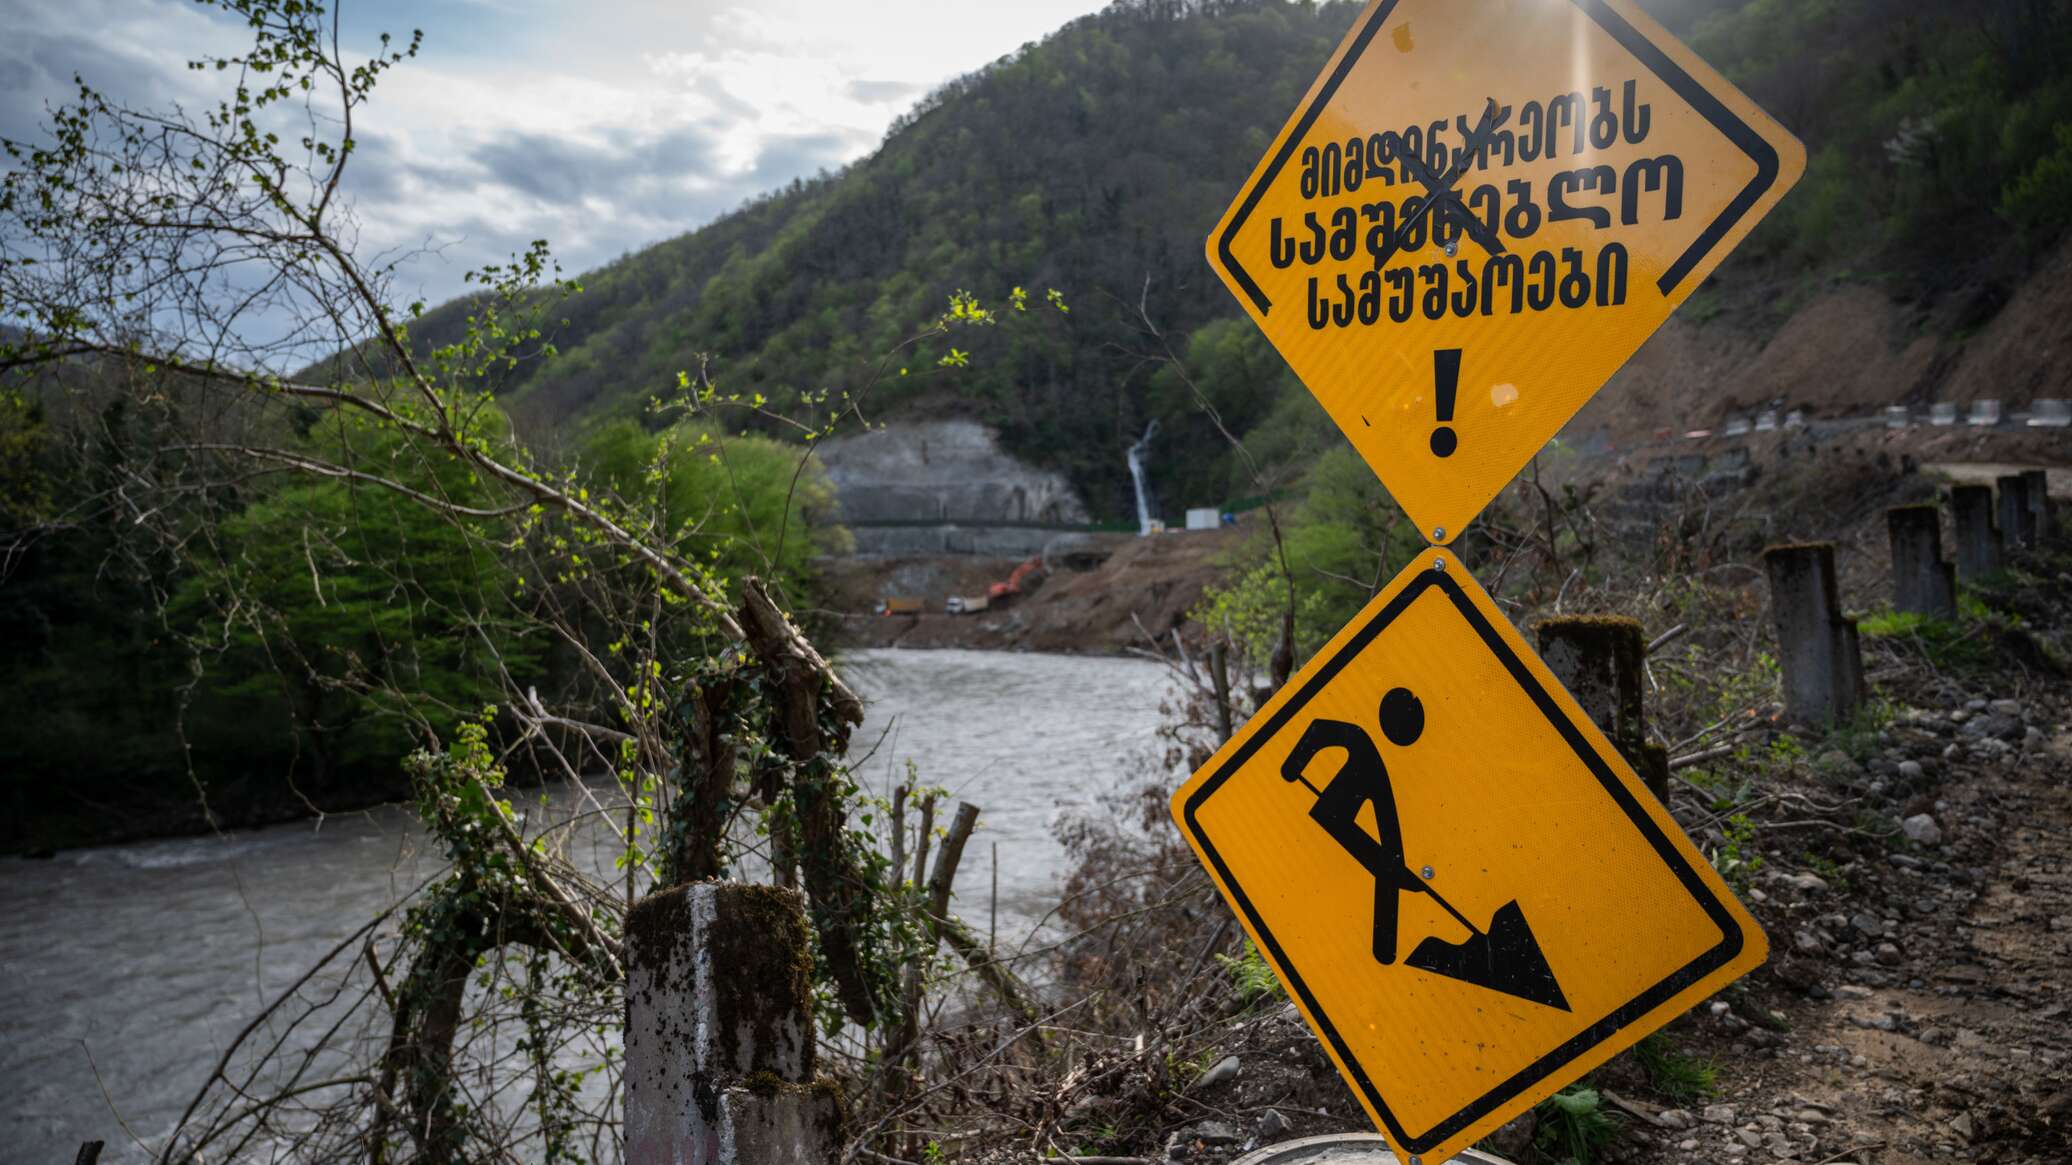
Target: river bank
x,y
1094,594
132,965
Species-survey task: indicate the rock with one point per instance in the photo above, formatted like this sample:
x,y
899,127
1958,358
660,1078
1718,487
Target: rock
x,y
1807,942
1753,1138
1976,705
1223,1070
1210,1134
1867,926
1272,1126
1853,991
1922,829
1808,883
2006,707
1676,1118
1888,955
1835,760
1964,1126
1720,1114
1910,770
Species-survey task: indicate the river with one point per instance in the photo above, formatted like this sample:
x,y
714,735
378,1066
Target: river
x,y
128,968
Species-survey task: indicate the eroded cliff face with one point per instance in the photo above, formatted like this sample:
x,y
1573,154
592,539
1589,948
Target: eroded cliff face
x,y
946,486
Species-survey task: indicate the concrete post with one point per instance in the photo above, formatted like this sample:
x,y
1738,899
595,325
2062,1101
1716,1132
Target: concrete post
x,y
1978,540
1598,658
2017,520
1922,583
2039,504
719,1031
1816,644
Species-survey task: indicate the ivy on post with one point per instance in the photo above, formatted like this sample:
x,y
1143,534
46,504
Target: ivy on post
x,y
720,1051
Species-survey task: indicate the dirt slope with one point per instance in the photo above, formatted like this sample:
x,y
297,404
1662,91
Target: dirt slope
x,y
1103,593
1847,351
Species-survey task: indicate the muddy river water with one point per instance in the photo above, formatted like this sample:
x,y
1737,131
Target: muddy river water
x,y
127,968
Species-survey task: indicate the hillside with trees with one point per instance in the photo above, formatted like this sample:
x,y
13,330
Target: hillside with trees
x,y
1096,161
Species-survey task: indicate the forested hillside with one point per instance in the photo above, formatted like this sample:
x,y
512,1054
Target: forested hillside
x,y
1940,137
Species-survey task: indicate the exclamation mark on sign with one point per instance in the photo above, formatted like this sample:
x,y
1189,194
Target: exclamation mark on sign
x,y
1446,378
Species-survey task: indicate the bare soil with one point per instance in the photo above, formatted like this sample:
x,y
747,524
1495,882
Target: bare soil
x,y
1103,593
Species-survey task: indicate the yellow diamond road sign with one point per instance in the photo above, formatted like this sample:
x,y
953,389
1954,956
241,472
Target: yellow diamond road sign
x,y
1479,211
1468,893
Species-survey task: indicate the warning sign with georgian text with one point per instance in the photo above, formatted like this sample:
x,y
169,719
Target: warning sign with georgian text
x,y
1479,211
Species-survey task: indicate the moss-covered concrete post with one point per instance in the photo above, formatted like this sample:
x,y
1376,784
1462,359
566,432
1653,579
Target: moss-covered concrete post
x,y
1599,658
2043,517
2017,520
1816,643
1978,539
719,1031
1922,583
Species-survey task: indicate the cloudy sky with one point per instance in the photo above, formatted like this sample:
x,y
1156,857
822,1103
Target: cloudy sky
x,y
600,126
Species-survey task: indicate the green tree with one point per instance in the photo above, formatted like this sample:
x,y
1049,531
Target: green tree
x,y
353,616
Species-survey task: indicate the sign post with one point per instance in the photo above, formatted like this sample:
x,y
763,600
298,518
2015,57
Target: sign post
x,y
1478,212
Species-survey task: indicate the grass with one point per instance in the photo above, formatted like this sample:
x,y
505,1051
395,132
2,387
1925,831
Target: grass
x,y
1251,976
1674,1075
1737,859
1574,1126
1960,644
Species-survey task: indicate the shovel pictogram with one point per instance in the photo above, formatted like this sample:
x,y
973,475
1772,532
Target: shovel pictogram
x,y
1502,957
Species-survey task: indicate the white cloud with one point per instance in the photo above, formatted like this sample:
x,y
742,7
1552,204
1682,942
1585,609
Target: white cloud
x,y
600,127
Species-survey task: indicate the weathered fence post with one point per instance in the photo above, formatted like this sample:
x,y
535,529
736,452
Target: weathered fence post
x,y
719,1031
2017,520
1922,583
1978,541
2044,518
1816,644
1598,658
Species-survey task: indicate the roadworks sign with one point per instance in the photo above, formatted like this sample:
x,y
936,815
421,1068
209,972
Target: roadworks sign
x,y
1468,893
1479,211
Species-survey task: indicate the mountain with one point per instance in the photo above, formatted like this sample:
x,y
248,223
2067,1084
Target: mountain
x,y
1095,162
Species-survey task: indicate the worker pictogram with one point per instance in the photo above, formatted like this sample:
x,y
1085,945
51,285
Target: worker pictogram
x,y
1425,785
1504,957
1533,186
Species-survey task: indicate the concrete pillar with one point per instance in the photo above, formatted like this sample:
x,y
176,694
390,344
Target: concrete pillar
x,y
1922,583
1978,540
2017,520
719,1031
2039,504
1816,644
1598,658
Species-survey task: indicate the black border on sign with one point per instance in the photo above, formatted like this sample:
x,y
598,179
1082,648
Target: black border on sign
x,y
1647,52
1725,951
